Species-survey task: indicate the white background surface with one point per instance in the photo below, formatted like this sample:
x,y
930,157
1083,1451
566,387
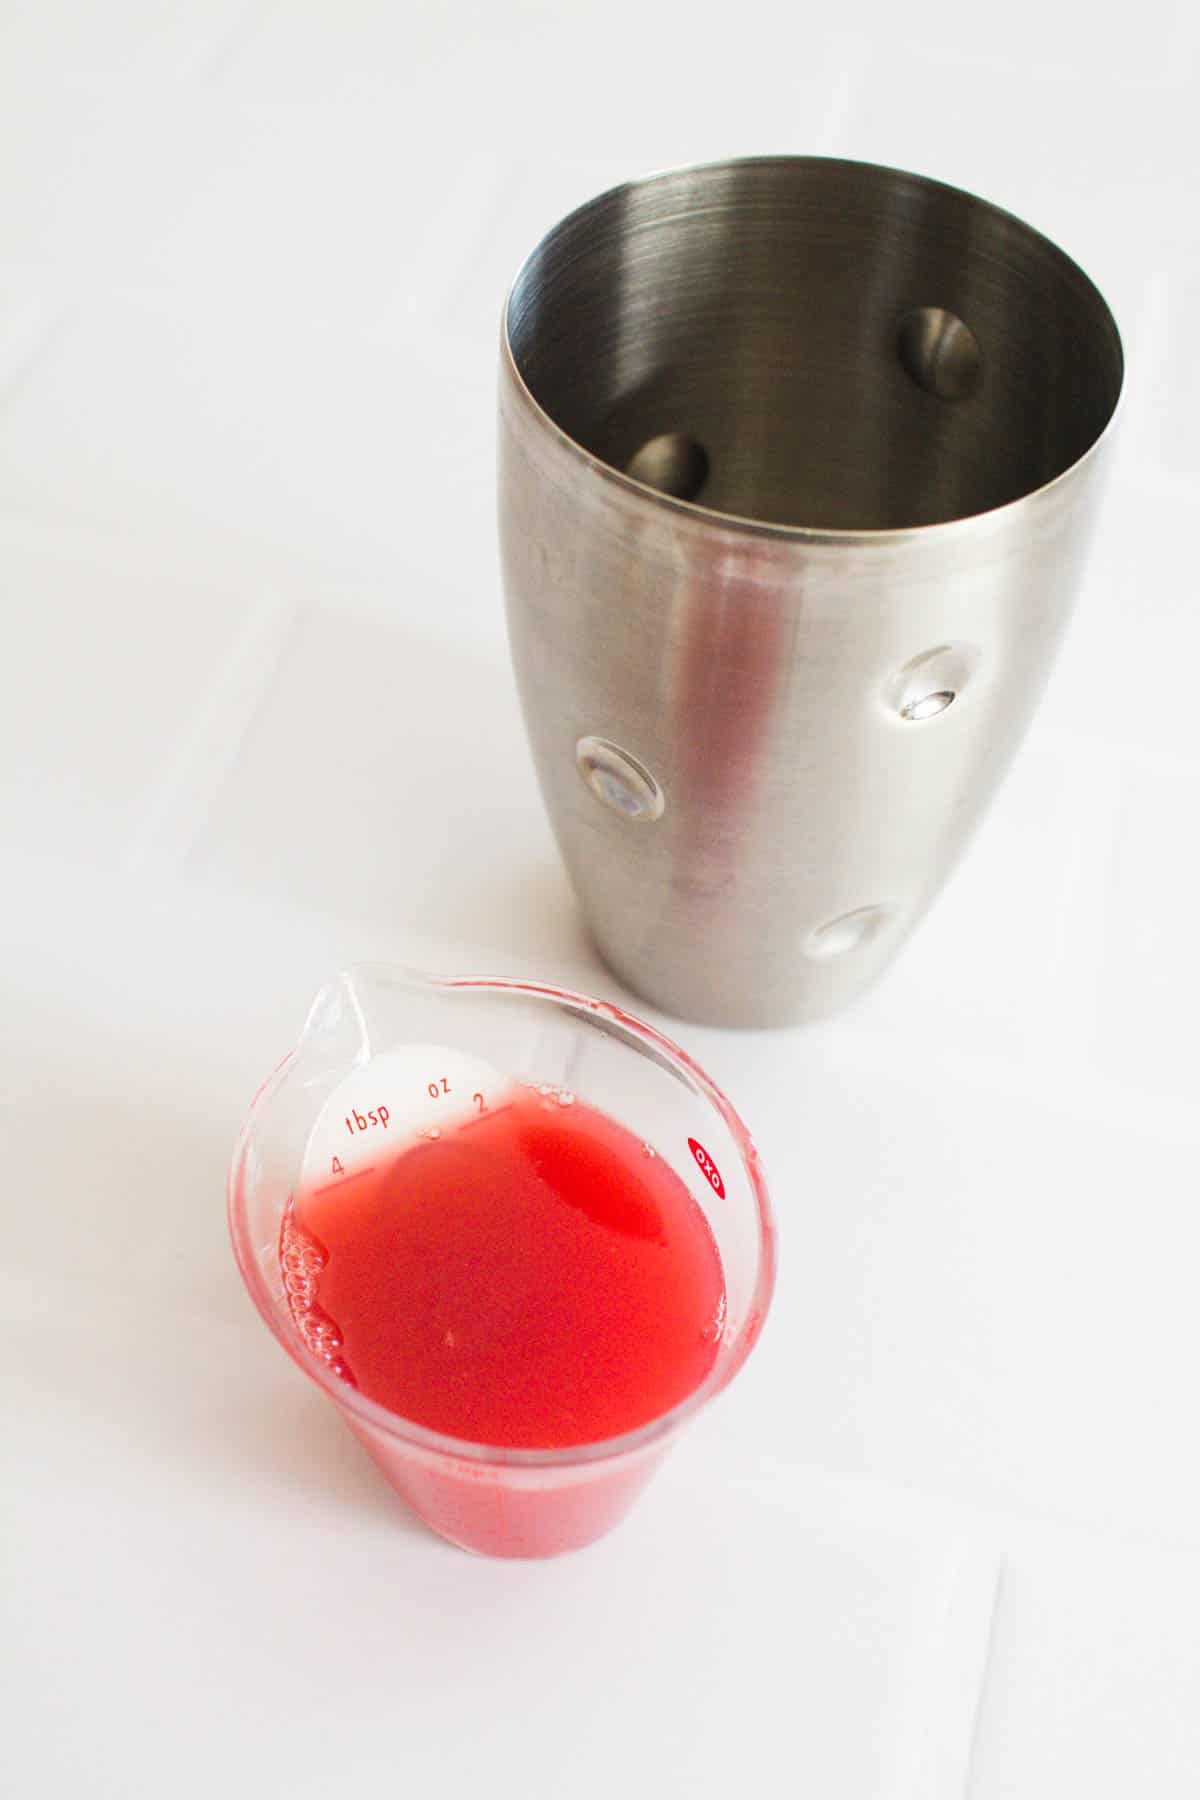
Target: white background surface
x,y
257,722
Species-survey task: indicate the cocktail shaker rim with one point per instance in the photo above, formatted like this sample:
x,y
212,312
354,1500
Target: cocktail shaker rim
x,y
654,500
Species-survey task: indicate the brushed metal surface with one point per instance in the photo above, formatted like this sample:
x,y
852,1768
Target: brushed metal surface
x,y
797,460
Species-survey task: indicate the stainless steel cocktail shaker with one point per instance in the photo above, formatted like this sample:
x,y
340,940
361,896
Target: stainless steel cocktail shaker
x,y
798,459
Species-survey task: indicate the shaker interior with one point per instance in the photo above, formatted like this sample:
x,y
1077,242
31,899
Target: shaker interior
x,y
810,342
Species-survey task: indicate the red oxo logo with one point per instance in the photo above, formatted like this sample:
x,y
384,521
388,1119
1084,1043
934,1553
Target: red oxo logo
x,y
708,1167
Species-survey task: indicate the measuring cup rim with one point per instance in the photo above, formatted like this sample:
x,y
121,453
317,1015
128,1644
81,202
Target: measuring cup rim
x,y
420,1437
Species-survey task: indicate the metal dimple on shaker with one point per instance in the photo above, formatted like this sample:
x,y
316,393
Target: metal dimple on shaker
x,y
798,459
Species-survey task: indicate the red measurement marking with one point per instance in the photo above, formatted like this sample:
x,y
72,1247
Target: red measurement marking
x,y
378,1115
342,1180
708,1167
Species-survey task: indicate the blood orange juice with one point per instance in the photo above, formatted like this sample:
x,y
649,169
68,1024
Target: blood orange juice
x,y
535,1278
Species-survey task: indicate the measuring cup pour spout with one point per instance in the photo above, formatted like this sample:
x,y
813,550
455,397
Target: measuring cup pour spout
x,y
389,1055
364,1007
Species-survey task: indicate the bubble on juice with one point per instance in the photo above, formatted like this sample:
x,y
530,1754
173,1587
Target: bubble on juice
x,y
551,1095
301,1259
714,1331
649,1150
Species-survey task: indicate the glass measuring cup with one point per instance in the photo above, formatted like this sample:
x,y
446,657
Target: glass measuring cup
x,y
389,1055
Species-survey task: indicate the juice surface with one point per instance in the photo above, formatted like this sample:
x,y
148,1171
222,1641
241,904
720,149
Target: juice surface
x,y
535,1277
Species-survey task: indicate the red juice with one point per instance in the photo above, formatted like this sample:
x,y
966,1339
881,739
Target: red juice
x,y
535,1277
